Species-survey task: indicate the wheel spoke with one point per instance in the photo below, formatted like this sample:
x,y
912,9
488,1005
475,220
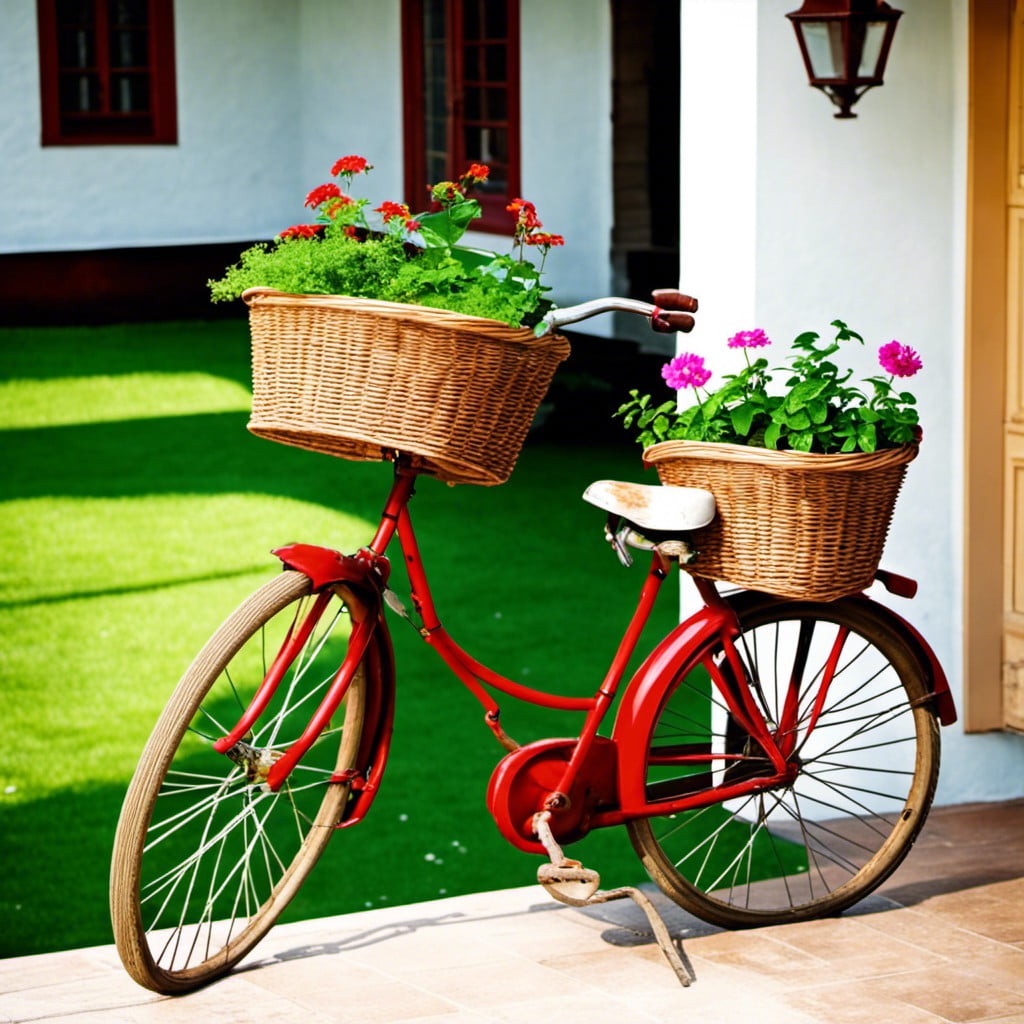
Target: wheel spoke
x,y
212,861
861,749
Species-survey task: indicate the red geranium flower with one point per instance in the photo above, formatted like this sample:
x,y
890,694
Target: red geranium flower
x,y
334,206
477,173
322,193
542,238
389,209
301,231
351,165
526,214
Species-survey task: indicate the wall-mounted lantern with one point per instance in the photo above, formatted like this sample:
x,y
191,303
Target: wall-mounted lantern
x,y
845,44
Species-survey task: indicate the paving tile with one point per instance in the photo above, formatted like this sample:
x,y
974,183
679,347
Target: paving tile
x,y
981,912
934,934
510,981
1005,970
341,991
955,995
610,970
28,972
759,954
836,1004
111,990
955,953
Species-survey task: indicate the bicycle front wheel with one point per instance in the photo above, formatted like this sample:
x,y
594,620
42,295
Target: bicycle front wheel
x,y
866,746
206,856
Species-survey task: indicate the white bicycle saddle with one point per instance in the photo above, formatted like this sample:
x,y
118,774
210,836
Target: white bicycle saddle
x,y
662,508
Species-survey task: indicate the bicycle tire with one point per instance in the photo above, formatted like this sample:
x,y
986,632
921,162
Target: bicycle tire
x,y
205,857
867,773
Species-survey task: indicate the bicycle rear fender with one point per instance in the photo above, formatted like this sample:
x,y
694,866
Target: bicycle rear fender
x,y
363,578
942,699
945,708
642,699
643,696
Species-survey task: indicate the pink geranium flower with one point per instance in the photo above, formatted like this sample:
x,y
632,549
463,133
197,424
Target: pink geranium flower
x,y
749,339
686,371
899,360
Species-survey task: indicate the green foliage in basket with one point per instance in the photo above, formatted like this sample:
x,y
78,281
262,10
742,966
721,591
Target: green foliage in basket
x,y
391,254
818,409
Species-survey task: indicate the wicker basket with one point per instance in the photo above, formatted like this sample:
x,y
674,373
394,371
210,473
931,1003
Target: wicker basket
x,y
362,380
793,524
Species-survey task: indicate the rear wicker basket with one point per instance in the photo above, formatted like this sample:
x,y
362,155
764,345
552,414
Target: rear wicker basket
x,y
362,380
798,525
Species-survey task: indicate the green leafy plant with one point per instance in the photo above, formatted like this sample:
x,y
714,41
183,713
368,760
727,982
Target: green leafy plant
x,y
392,254
818,408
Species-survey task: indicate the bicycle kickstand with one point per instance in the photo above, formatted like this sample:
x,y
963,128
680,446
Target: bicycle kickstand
x,y
568,881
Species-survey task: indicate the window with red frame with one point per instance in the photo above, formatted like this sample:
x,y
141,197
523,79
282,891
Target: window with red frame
x,y
461,60
106,70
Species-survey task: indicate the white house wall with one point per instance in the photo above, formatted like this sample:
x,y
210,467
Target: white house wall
x,y
269,95
861,220
231,175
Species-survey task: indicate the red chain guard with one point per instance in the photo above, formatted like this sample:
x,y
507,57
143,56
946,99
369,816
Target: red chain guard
x,y
523,780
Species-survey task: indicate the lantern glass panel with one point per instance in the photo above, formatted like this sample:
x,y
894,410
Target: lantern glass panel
x,y
874,37
824,42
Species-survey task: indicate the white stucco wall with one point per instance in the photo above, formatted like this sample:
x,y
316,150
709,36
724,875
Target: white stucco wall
x,y
269,95
861,220
230,176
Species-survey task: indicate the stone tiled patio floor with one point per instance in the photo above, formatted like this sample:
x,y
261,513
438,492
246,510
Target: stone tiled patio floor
x,y
942,941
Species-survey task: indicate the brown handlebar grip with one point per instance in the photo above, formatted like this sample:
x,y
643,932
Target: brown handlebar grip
x,y
666,323
670,298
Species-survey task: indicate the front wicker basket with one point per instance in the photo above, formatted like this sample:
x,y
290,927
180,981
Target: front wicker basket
x,y
363,380
797,525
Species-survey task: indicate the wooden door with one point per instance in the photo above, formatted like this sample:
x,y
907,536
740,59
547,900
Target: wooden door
x,y
1013,423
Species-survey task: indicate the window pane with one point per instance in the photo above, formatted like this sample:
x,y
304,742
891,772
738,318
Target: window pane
x,y
128,12
129,49
433,20
76,47
486,145
486,104
129,93
471,63
79,93
495,63
495,19
471,23
75,12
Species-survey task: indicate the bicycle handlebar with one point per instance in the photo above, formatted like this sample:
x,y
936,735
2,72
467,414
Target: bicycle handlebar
x,y
671,312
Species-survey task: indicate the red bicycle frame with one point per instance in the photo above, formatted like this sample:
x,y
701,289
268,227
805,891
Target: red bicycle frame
x,y
584,782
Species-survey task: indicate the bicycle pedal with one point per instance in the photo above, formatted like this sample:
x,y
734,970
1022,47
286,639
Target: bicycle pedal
x,y
569,882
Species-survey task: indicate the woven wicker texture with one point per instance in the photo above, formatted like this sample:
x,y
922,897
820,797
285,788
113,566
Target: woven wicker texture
x,y
798,525
362,379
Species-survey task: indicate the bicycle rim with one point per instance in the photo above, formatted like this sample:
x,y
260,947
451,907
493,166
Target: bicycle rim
x,y
206,856
866,744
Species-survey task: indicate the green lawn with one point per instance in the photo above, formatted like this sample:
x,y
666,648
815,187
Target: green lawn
x,y
137,512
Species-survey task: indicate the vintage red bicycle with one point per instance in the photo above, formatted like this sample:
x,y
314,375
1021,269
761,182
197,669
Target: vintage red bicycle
x,y
761,733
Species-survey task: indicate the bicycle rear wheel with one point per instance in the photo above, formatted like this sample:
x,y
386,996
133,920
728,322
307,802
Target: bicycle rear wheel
x,y
205,855
867,768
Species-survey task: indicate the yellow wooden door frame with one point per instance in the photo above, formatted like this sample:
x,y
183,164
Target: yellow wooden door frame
x,y
986,550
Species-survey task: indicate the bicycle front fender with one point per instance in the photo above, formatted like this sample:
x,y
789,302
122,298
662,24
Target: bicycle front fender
x,y
325,566
642,699
363,579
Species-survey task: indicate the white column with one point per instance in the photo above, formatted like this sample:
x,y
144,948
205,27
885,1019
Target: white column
x,y
718,165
